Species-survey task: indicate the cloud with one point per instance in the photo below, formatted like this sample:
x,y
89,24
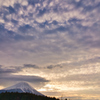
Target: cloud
x,y
41,67
84,81
83,77
10,9
28,20
31,66
8,76
36,81
9,70
23,78
51,34
54,66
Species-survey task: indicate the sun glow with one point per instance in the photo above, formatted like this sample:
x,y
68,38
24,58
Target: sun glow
x,y
1,87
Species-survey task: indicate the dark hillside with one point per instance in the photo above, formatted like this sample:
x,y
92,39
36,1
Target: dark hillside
x,y
23,96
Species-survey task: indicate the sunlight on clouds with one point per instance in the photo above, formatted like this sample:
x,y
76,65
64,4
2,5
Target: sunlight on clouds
x,y
42,89
57,74
61,87
2,87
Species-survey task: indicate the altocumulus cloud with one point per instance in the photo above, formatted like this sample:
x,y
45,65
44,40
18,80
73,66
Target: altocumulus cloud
x,y
33,20
62,35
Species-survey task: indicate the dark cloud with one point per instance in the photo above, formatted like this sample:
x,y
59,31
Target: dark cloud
x,y
9,79
37,67
23,78
54,66
31,66
9,70
7,76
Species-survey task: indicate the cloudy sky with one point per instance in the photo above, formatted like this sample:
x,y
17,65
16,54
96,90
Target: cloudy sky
x,y
54,45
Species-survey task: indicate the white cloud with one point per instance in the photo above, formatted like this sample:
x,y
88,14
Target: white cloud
x,y
24,3
2,21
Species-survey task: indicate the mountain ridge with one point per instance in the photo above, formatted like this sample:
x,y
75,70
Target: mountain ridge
x,y
22,87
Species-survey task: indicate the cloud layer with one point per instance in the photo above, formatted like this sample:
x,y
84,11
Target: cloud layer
x,y
51,40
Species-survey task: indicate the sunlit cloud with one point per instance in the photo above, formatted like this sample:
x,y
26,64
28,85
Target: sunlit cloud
x,y
1,87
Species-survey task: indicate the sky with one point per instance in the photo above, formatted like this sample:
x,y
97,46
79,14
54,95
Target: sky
x,y
54,45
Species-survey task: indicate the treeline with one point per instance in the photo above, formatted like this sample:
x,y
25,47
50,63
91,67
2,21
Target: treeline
x,y
23,96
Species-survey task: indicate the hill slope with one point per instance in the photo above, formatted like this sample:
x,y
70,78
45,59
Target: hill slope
x,y
23,96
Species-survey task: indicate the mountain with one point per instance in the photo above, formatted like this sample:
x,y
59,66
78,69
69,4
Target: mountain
x,y
21,87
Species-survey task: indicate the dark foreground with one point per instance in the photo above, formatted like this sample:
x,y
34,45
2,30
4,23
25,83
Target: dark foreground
x,y
23,96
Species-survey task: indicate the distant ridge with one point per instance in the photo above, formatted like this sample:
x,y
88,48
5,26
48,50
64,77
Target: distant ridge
x,y
21,87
